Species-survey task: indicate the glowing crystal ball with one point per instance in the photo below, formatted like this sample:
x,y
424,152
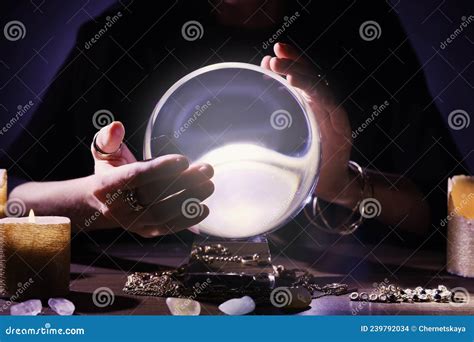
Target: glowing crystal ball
x,y
257,132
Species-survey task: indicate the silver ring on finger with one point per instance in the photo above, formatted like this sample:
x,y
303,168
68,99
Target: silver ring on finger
x,y
130,198
101,152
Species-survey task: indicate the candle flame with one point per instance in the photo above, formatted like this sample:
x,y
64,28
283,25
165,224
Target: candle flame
x,y
31,216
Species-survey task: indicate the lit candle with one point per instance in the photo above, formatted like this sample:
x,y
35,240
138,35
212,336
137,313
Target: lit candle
x,y
460,221
3,191
35,256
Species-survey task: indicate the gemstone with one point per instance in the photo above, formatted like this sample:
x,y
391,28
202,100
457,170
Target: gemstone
x,y
28,308
442,288
238,306
422,297
183,306
300,298
445,294
61,306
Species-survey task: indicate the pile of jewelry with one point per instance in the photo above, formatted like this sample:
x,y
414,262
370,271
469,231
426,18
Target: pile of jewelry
x,y
219,253
394,294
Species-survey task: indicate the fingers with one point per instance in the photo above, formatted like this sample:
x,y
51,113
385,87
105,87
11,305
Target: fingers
x,y
110,137
109,150
135,175
290,52
175,206
171,214
177,224
298,71
193,176
285,66
265,63
182,222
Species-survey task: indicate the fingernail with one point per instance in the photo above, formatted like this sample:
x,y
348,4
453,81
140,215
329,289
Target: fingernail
x,y
108,127
207,188
182,162
207,170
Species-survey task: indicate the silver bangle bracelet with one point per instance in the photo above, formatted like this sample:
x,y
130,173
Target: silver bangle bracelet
x,y
353,221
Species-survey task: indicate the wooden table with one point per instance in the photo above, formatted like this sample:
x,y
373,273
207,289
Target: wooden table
x,y
100,260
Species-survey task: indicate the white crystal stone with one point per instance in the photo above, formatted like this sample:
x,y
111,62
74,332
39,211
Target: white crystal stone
x,y
238,306
28,308
183,306
61,306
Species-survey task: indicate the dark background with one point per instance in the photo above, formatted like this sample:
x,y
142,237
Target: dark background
x,y
27,66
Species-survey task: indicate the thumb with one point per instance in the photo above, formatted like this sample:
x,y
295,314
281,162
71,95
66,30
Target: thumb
x,y
108,148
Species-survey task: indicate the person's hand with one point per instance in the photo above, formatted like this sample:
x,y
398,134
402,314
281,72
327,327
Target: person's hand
x,y
335,181
160,185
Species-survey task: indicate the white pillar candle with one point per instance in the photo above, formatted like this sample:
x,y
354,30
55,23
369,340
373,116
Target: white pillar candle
x,y
35,251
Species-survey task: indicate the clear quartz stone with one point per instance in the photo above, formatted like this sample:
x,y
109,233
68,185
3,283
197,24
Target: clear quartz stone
x,y
61,306
183,306
30,307
238,306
